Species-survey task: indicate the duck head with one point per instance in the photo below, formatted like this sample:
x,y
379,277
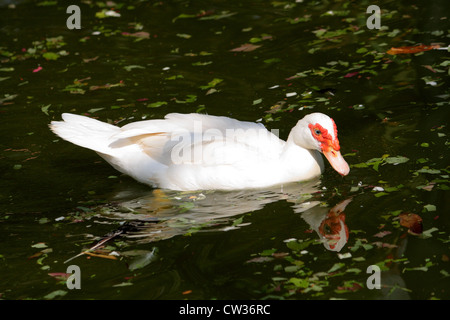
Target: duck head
x,y
317,131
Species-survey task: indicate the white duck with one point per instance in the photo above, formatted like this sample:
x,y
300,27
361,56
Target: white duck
x,y
201,152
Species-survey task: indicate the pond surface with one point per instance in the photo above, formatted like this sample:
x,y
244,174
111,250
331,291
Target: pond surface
x,y
265,61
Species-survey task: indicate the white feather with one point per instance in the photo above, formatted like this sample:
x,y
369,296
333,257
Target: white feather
x,y
195,151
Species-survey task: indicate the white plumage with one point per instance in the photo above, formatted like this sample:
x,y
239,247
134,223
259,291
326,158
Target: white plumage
x,y
199,152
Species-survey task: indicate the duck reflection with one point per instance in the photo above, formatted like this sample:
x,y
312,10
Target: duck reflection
x,y
164,214
329,224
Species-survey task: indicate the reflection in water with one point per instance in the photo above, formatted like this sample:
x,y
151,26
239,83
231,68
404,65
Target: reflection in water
x,y
329,224
164,214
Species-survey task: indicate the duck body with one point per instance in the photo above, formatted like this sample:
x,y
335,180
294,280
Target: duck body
x,y
204,152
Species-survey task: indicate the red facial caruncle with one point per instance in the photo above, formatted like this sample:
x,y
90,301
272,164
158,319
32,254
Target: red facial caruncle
x,y
324,137
330,147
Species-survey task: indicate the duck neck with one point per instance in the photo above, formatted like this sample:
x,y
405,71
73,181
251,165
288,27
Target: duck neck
x,y
300,163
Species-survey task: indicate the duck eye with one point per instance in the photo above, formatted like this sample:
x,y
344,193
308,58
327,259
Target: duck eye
x,y
317,132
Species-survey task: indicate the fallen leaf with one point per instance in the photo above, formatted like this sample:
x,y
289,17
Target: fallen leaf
x,y
382,234
90,59
351,74
412,49
247,47
259,260
60,275
411,221
139,34
101,255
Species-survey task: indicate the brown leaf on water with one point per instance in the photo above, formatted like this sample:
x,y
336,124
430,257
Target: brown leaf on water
x,y
104,256
412,49
411,221
247,47
139,34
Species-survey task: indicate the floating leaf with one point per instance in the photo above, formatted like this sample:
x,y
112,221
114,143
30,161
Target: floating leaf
x,y
183,16
430,207
411,221
184,35
396,160
139,34
62,276
157,104
382,234
428,170
257,101
351,74
247,47
50,56
93,110
336,266
46,3
39,245
348,286
54,294
222,15
44,109
412,49
211,84
298,245
259,260
300,283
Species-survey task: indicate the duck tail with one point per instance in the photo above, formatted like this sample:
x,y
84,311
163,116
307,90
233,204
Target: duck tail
x,y
85,132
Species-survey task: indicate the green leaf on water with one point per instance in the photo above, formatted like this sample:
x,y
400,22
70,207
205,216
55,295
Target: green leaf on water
x,y
221,15
396,160
157,104
39,245
44,109
51,56
429,207
428,233
184,35
257,101
47,3
211,84
299,245
336,267
54,294
272,60
133,66
300,283
428,170
189,98
268,252
183,16
93,110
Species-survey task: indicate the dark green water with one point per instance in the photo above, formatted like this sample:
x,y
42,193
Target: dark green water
x,y
392,111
